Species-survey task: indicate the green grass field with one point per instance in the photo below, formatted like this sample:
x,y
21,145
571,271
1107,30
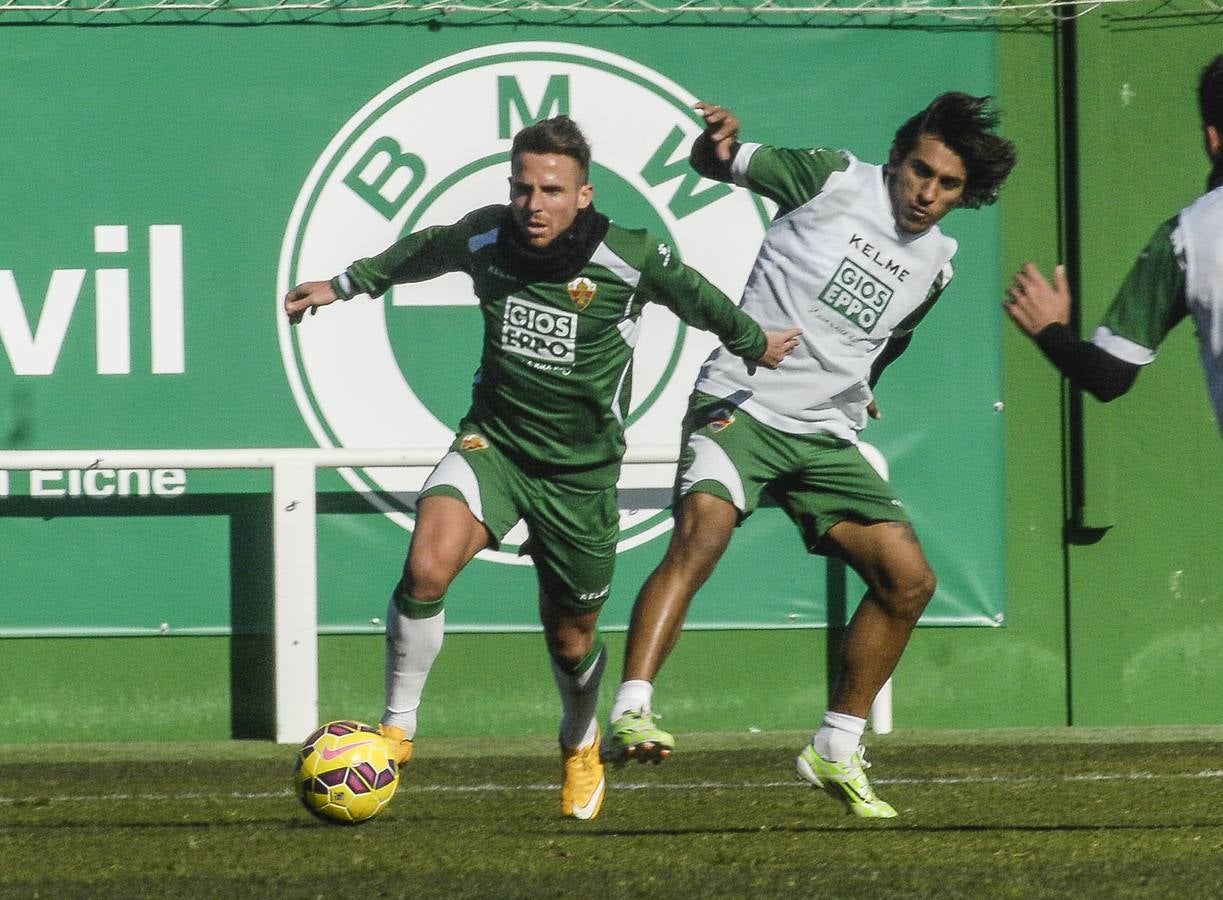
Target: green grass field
x,y
1067,812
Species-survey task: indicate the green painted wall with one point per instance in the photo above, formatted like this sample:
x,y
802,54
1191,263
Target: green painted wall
x,y
1147,599
1132,641
180,688
218,170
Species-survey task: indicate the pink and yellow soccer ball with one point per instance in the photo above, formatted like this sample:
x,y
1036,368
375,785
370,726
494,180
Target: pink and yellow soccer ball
x,y
344,773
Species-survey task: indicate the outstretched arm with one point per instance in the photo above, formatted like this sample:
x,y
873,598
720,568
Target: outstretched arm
x,y
714,150
1042,312
699,303
780,345
309,295
419,256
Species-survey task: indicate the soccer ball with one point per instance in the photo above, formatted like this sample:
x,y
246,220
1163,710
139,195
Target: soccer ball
x,y
344,773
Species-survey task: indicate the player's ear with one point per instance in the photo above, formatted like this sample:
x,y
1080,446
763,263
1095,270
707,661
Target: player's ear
x,y
1214,141
586,194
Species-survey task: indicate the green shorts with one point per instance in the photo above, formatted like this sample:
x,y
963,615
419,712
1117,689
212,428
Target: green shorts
x,y
574,531
817,479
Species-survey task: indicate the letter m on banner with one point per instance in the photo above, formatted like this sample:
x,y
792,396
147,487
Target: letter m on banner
x,y
510,98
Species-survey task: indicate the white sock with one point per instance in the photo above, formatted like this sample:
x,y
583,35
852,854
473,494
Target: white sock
x,y
839,736
632,695
580,701
412,646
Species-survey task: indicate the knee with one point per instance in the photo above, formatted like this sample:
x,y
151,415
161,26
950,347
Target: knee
x,y
569,646
908,596
424,579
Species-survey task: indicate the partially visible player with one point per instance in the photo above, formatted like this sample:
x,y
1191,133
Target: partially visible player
x,y
561,291
855,256
1178,274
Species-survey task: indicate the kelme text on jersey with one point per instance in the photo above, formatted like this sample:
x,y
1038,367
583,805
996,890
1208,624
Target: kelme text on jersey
x,y
871,252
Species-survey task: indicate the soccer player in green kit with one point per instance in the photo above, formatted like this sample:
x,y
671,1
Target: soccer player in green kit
x,y
1179,274
856,258
560,291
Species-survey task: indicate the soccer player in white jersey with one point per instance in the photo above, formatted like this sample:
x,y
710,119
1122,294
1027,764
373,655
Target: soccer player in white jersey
x,y
855,258
1178,274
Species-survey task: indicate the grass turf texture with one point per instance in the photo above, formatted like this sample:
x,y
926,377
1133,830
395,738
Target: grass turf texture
x,y
1024,813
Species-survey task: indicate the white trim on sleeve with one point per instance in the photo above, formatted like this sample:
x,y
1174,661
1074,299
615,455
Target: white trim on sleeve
x,y
738,165
1122,347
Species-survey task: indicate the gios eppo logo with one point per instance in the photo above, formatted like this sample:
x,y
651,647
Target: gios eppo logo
x,y
396,372
857,295
539,332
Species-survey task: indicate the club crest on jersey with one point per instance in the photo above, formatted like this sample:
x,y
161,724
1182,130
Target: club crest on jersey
x,y
582,291
721,419
473,442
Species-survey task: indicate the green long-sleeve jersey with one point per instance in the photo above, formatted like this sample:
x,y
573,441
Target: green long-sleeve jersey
x,y
552,390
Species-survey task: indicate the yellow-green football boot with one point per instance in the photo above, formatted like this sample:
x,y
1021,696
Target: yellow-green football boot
x,y
845,782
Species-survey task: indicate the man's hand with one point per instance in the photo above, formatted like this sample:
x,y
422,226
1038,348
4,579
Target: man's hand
x,y
721,127
309,295
1034,304
780,345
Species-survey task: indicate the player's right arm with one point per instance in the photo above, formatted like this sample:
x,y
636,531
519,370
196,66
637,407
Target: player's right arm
x,y
419,256
309,295
715,148
788,177
1042,311
1149,304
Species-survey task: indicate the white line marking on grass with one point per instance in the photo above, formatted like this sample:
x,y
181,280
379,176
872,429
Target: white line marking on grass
x,y
724,786
624,786
149,798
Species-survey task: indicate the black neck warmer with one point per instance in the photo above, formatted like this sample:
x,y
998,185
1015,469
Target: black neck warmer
x,y
563,258
1216,175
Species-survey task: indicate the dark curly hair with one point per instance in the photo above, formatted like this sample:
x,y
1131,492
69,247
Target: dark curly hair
x,y
966,125
1210,93
559,134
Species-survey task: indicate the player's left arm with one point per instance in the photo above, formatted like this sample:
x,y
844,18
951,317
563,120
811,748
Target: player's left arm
x,y
896,345
697,302
902,336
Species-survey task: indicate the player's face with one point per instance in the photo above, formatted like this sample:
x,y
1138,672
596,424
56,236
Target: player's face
x,y
925,185
546,193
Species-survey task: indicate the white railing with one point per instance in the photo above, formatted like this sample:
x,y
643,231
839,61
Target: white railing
x,y
295,544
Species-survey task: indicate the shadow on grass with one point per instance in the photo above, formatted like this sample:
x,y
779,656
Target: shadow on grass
x,y
891,826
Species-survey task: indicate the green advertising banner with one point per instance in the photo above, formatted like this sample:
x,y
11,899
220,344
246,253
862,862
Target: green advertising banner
x,y
166,186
